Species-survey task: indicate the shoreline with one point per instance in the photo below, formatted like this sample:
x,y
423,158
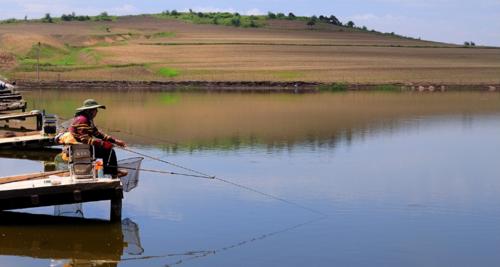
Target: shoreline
x,y
247,86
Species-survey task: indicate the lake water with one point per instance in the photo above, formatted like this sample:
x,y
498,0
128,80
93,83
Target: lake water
x,y
397,179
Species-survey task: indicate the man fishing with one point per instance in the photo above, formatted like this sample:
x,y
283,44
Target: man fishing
x,y
84,131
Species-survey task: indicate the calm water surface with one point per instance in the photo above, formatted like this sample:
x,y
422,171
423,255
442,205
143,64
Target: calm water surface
x,y
403,180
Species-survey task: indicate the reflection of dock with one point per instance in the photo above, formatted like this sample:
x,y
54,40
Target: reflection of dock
x,y
52,237
46,154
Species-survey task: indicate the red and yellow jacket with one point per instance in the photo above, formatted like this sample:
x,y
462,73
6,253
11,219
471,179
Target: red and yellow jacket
x,y
84,131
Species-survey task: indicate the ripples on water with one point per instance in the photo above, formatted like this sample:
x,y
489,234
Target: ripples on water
x,y
405,180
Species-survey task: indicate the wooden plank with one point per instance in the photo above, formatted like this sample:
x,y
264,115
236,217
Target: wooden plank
x,y
27,142
19,115
31,176
13,106
60,195
8,97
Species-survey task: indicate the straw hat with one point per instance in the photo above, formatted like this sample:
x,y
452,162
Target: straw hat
x,y
90,104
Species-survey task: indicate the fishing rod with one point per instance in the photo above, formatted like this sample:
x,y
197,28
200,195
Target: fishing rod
x,y
213,177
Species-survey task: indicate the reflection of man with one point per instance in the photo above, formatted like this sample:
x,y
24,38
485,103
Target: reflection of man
x,y
84,131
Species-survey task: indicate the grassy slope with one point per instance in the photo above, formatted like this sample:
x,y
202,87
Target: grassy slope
x,y
152,48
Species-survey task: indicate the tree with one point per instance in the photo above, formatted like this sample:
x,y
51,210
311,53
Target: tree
x,y
26,18
236,22
466,43
311,23
271,15
174,13
350,24
103,17
291,16
472,44
47,18
333,20
280,15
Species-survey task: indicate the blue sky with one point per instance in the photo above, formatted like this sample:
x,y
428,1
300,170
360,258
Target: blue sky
x,y
453,21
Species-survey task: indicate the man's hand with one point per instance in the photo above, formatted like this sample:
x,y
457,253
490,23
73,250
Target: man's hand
x,y
120,143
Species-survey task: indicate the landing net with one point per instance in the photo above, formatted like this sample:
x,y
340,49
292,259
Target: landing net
x,y
132,166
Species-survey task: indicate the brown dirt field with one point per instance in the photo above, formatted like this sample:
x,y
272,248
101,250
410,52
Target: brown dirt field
x,y
281,51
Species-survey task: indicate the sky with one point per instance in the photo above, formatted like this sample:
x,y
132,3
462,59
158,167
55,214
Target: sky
x,y
453,21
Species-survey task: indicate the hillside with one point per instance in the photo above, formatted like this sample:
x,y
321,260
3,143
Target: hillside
x,y
154,48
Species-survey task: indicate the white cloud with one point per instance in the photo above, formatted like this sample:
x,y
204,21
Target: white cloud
x,y
213,9
125,9
373,17
254,11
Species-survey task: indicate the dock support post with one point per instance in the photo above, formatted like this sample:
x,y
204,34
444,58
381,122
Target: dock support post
x,y
116,210
116,206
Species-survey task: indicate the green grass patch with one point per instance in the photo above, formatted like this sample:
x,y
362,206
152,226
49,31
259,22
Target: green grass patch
x,y
54,56
168,72
288,75
333,87
160,35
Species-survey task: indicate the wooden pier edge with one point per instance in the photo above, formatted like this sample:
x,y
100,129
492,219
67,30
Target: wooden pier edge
x,y
66,194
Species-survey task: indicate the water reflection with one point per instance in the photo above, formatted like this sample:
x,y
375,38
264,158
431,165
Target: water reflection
x,y
68,241
404,178
200,121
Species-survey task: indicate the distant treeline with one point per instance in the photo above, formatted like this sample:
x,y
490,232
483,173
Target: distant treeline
x,y
216,18
104,16
223,18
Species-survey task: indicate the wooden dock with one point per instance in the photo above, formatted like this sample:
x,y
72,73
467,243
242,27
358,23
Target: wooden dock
x,y
55,190
10,99
27,130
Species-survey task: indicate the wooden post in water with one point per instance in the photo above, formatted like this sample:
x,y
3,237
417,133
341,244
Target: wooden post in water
x,y
115,211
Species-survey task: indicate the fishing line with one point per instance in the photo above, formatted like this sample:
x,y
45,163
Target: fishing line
x,y
213,177
163,172
270,196
203,175
191,255
167,162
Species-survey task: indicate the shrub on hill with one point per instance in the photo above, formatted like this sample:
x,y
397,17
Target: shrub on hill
x,y
73,16
217,18
103,17
47,18
9,21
